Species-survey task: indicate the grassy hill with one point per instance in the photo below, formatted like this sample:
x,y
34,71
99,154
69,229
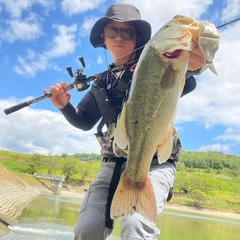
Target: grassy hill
x,y
204,179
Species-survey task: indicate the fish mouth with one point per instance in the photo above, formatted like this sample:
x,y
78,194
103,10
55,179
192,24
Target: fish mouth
x,y
174,54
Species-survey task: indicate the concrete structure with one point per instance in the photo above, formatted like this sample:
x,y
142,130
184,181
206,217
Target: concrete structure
x,y
57,181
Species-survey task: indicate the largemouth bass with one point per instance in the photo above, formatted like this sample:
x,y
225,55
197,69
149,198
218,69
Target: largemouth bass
x,y
146,121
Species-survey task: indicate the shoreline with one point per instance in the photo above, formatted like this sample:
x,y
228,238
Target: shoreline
x,y
17,191
173,206
203,211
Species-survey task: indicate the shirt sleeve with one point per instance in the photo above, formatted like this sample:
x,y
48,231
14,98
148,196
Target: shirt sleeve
x,y
190,83
85,115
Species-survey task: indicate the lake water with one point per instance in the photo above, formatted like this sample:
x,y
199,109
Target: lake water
x,y
51,217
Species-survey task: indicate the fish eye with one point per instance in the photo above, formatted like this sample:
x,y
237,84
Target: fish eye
x,y
167,25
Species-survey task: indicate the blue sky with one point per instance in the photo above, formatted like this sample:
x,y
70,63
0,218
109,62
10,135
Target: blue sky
x,y
40,38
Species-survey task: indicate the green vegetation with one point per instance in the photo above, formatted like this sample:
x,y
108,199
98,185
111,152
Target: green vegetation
x,y
204,179
78,168
208,179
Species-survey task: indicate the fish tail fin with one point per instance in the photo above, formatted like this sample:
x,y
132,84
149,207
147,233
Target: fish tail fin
x,y
129,199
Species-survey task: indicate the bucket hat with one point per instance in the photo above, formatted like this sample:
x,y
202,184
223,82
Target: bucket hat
x,y
120,13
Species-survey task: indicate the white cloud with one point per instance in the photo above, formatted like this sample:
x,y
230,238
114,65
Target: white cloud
x,y
22,29
43,132
32,63
231,10
230,134
20,22
99,60
159,12
87,25
216,98
214,102
16,7
215,147
62,44
71,7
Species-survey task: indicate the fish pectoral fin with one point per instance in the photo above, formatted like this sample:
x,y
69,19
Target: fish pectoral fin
x,y
165,149
140,199
120,134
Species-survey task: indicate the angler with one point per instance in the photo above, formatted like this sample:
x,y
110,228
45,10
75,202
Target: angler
x,y
124,34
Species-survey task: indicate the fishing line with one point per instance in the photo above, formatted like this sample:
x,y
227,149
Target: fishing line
x,y
83,79
227,23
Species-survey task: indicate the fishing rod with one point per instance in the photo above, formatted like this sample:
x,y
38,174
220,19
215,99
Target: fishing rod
x,y
237,19
5,222
81,82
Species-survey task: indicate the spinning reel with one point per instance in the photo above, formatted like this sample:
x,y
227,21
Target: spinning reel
x,y
81,82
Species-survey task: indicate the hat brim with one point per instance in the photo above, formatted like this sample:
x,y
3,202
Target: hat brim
x,y
96,39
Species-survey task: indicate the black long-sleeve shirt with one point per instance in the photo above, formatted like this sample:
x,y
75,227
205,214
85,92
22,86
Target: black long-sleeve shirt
x,y
93,105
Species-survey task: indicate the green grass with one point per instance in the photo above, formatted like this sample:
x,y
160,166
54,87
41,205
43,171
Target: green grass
x,y
214,191
194,187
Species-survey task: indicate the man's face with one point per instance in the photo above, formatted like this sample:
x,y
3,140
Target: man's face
x,y
117,45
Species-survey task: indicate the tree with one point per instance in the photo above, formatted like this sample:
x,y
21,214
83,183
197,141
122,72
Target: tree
x,y
52,163
34,163
65,155
199,197
71,167
84,170
187,183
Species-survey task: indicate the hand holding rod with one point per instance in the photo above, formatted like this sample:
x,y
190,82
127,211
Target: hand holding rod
x,y
80,83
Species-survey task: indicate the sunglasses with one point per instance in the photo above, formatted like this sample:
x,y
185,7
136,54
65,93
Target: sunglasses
x,y
127,34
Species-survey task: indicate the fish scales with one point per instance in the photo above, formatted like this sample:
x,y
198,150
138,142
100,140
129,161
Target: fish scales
x,y
146,121
152,99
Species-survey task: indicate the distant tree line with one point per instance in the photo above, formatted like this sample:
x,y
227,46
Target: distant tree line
x,y
85,156
222,163
77,166
82,165
200,175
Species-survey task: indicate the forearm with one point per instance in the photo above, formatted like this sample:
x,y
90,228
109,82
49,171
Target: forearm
x,y
77,118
